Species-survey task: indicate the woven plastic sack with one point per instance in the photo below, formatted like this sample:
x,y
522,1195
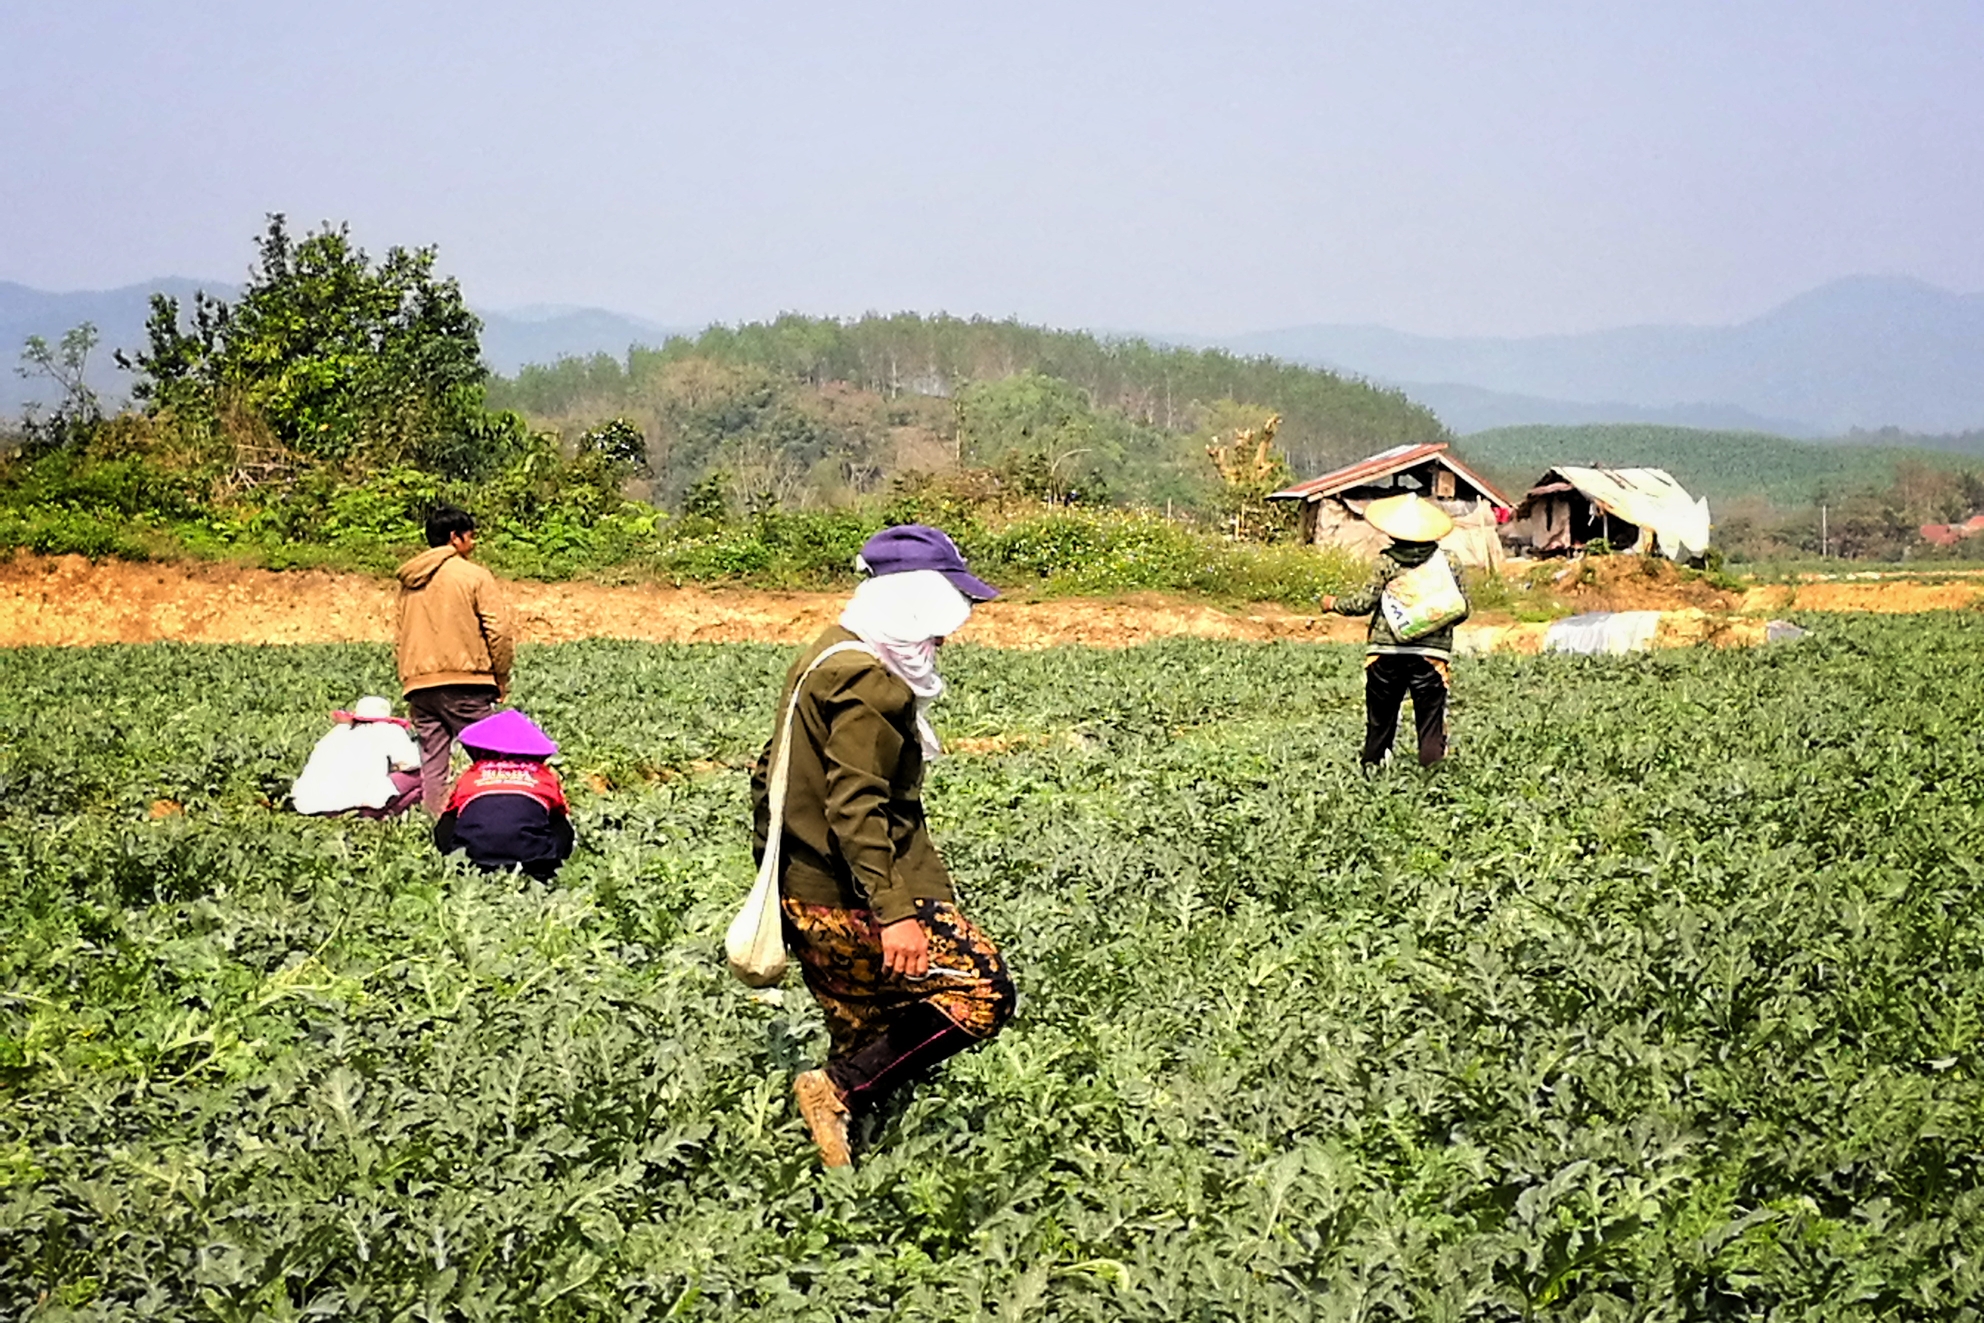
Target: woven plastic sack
x,y
754,944
1423,599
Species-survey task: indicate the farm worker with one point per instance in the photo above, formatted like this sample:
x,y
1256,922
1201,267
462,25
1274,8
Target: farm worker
x,y
904,979
1395,667
508,809
365,764
454,644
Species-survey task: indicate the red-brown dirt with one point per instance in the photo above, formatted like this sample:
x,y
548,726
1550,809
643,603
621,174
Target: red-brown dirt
x,y
68,600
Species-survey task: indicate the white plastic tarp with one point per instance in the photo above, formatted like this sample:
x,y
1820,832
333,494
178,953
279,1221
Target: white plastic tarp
x,y
1651,499
1602,632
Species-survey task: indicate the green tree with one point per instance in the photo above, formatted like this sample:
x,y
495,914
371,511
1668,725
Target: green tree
x,y
65,364
342,359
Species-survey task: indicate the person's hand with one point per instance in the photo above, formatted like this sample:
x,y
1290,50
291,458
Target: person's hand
x,y
1329,602
906,948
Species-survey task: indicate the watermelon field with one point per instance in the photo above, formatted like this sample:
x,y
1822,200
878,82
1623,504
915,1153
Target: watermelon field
x,y
1663,999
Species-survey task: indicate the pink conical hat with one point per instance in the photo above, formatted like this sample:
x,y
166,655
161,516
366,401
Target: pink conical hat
x,y
509,732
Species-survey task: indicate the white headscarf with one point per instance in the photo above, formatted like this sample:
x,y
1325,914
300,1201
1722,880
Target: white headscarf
x,y
901,616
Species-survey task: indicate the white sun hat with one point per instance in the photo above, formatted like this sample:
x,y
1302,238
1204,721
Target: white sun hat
x,y
1409,518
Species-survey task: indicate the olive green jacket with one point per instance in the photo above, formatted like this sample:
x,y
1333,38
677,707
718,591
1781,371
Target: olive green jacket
x,y
854,832
1392,562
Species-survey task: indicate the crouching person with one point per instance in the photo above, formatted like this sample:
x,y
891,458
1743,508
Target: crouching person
x,y
365,764
904,979
508,809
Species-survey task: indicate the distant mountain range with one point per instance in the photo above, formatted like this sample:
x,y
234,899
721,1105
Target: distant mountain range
x,y
1864,352
544,333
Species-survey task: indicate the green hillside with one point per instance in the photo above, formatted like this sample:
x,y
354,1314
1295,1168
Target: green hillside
x,y
824,410
1719,465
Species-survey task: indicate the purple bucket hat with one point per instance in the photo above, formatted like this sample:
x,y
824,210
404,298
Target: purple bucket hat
x,y
919,547
508,732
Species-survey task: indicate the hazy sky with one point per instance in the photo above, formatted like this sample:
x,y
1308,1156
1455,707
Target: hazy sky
x,y
1509,167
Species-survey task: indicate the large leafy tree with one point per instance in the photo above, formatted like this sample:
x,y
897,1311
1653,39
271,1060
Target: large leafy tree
x,y
342,359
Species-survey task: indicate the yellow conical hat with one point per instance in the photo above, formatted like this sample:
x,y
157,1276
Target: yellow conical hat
x,y
1409,518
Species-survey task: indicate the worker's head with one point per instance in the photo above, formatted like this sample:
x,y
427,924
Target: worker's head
x,y
908,548
918,591
507,734
451,526
1408,518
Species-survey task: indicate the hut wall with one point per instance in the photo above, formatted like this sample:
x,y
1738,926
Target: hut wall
x,y
1337,525
1544,523
1476,540
1566,521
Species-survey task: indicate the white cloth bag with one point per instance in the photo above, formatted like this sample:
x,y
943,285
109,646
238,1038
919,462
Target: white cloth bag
x,y
754,944
1422,599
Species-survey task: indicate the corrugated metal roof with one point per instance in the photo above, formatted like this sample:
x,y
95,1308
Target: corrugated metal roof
x,y
1647,497
1384,464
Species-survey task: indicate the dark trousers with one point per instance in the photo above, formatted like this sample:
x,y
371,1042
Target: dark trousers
x,y
918,1039
439,715
1387,680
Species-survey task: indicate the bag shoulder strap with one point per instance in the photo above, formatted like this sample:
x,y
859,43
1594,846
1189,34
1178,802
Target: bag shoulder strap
x,y
781,769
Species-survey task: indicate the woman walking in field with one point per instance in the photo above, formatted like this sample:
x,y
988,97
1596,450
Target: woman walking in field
x,y
904,979
1410,646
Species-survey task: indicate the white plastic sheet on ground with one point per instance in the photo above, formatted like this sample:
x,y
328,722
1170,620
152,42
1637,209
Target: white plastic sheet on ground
x,y
1602,632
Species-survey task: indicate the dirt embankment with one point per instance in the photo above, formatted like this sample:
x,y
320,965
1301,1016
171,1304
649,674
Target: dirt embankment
x,y
68,600
1637,583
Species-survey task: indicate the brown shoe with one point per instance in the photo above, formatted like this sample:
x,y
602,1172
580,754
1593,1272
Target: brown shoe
x,y
826,1116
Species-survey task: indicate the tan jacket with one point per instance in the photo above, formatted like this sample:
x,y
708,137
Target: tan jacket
x,y
452,627
855,837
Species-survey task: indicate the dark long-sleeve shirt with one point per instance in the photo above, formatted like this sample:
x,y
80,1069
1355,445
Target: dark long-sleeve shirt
x,y
854,832
508,814
1392,562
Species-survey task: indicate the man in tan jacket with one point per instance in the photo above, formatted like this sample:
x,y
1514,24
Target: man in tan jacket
x,y
455,645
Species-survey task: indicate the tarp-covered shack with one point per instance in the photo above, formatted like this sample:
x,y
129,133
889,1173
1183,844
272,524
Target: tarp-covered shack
x,y
1634,510
1333,505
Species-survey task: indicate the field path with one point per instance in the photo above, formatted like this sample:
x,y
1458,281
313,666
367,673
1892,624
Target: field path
x,y
67,600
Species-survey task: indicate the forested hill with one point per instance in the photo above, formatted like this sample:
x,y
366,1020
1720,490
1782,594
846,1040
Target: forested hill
x,y
821,408
1718,465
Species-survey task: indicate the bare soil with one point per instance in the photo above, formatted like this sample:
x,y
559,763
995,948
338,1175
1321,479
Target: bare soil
x,y
68,600
1891,595
1636,583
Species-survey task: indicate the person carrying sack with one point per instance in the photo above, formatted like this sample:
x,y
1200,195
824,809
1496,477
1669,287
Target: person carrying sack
x,y
1414,602
904,980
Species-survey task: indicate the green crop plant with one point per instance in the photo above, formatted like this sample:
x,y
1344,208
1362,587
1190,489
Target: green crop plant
x,y
1660,1000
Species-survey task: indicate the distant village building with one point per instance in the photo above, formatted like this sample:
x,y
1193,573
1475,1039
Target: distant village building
x,y
1632,510
1333,505
1948,535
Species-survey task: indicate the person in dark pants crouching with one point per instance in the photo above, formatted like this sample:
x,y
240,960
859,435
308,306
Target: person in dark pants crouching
x,y
1394,668
508,809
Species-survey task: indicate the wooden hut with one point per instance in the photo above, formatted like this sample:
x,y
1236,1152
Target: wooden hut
x,y
1333,505
1632,510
